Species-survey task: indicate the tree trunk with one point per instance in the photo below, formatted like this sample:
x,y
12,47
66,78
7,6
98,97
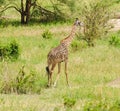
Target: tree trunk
x,y
27,10
22,13
23,21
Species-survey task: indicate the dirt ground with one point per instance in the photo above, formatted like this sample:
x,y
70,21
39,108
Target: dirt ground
x,y
116,27
115,83
115,23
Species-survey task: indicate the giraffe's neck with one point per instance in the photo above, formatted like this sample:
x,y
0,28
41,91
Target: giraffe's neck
x,y
67,41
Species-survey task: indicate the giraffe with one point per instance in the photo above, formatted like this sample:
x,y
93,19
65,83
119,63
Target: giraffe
x,y
60,54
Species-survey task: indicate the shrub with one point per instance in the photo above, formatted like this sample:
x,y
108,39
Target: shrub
x,y
23,82
78,45
102,105
95,15
69,101
114,40
10,51
14,50
47,34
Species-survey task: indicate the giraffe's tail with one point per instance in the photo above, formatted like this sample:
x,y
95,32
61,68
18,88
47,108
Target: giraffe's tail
x,y
47,70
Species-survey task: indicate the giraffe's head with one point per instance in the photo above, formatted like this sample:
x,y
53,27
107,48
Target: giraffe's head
x,y
78,22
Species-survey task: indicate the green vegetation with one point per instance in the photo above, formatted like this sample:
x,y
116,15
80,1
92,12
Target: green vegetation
x,y
47,34
22,83
69,101
78,45
10,51
95,15
23,53
115,40
93,68
102,105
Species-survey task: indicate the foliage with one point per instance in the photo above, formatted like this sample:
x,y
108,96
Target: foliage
x,y
1,3
14,50
23,7
47,34
46,15
54,11
95,15
114,40
89,71
10,51
78,45
69,101
117,1
102,105
51,11
22,83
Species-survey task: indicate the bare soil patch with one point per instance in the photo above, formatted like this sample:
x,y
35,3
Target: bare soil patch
x,y
115,83
116,24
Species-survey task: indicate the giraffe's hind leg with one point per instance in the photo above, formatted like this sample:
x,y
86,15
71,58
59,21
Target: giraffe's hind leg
x,y
48,73
50,76
59,68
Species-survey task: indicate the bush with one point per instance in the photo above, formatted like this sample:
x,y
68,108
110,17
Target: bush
x,y
102,105
47,34
78,45
114,40
95,16
10,51
24,82
69,101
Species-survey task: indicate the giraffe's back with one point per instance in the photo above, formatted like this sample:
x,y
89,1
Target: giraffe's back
x,y
58,54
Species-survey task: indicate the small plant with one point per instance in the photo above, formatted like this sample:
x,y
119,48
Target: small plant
x,y
114,40
14,50
10,51
102,105
56,109
78,45
69,101
47,34
24,82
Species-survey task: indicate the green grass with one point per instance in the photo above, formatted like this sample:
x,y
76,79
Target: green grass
x,y
89,70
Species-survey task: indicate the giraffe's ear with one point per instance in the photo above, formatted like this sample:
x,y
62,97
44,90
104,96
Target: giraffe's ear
x,y
77,22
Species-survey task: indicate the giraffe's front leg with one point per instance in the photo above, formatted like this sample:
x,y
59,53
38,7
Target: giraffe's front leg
x,y
59,67
66,73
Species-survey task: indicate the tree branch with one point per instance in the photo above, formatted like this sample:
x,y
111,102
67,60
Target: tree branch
x,y
34,3
11,7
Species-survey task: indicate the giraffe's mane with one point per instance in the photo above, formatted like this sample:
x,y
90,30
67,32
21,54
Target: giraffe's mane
x,y
64,40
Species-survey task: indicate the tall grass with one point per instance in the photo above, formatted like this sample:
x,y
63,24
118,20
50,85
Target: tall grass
x,y
89,70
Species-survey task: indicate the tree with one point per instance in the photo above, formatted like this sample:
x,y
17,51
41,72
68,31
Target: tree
x,y
56,10
95,17
1,3
24,9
